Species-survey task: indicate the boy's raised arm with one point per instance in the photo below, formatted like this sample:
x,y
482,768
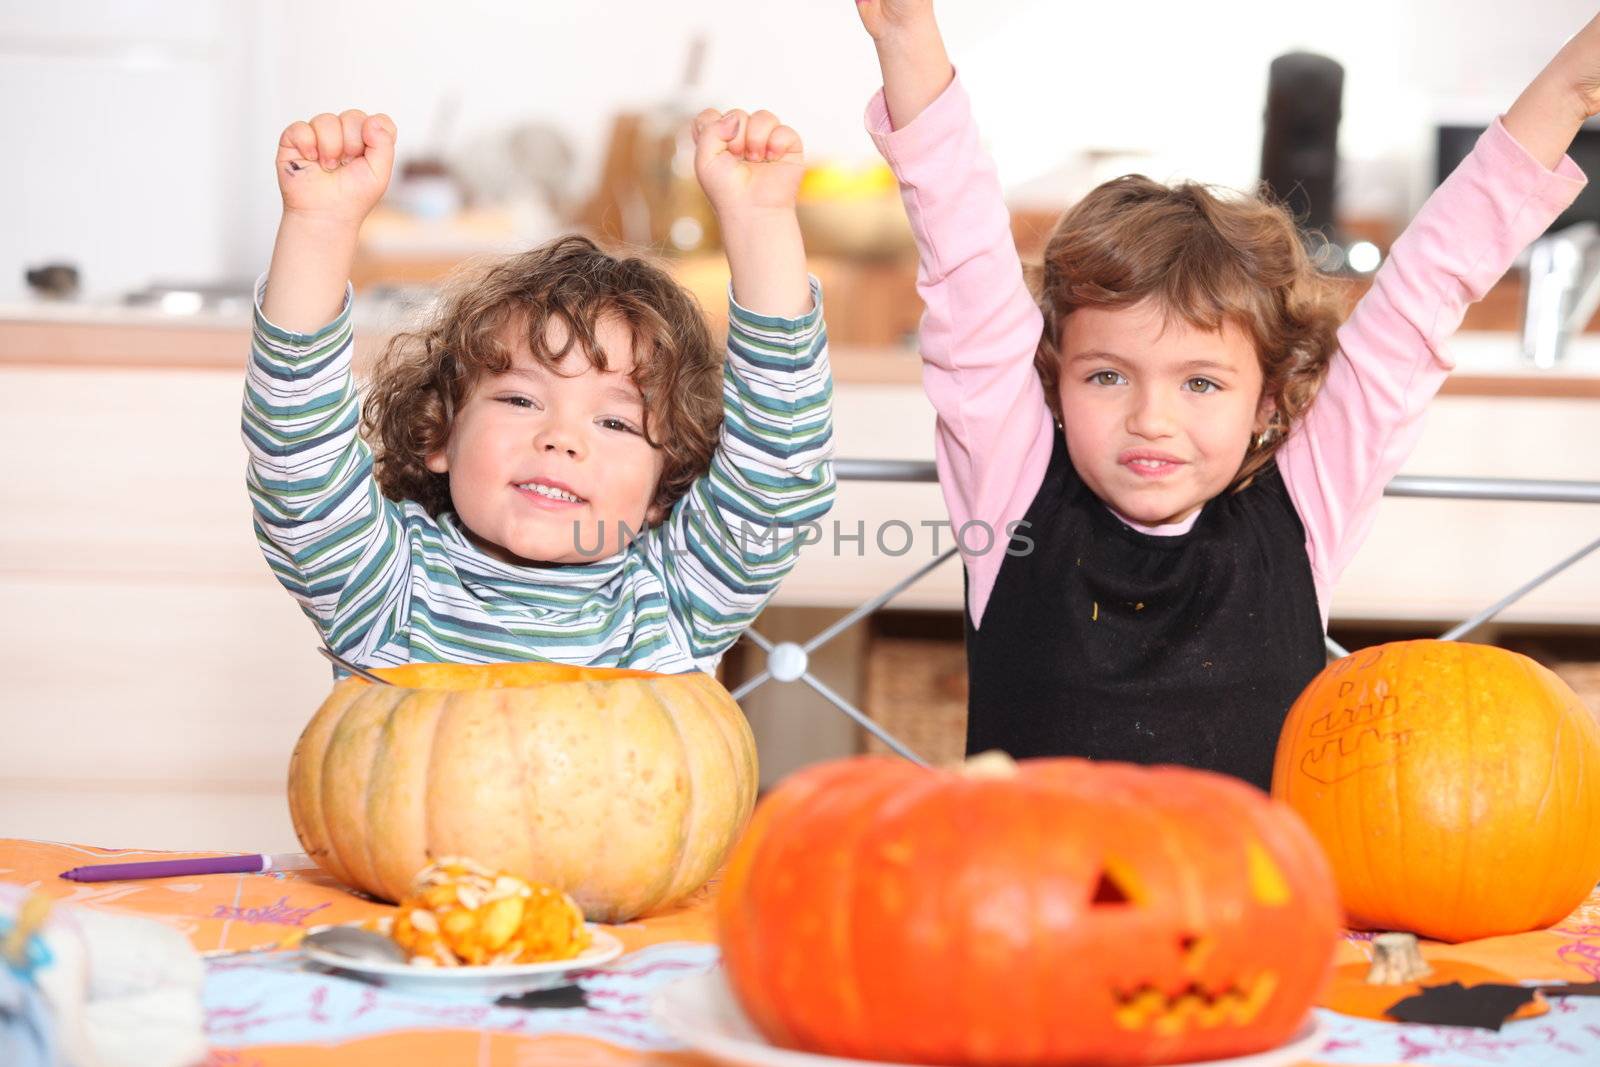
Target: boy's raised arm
x,y
732,539
750,168
331,171
320,517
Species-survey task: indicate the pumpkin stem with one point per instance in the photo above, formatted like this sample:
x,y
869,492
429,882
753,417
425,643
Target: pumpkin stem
x,y
1396,960
990,764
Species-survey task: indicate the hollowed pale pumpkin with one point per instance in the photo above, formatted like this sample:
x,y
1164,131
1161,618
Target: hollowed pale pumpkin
x,y
1455,788
624,789
1064,912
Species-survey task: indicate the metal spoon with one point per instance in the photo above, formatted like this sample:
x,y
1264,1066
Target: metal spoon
x,y
356,943
360,672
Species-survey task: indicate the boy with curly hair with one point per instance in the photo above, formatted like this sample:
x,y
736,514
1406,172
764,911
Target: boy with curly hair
x,y
558,466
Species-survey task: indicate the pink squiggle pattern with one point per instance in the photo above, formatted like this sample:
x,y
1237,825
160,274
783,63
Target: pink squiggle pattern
x,y
1584,955
1483,1046
308,1006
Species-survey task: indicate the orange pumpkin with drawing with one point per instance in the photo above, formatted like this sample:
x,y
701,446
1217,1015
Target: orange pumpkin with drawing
x,y
1455,788
1048,911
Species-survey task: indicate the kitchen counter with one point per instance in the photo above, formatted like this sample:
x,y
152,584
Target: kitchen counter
x,y
61,334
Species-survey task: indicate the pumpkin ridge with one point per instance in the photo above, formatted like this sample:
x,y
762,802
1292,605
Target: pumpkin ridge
x,y
430,829
742,929
731,725
305,785
1584,786
383,754
1369,869
603,847
967,1009
1035,1039
380,744
661,885
747,782
1292,841
407,851
890,800
860,916
1592,787
325,791
1454,908
846,911
523,848
368,765
1552,782
734,730
322,790
693,819
1402,786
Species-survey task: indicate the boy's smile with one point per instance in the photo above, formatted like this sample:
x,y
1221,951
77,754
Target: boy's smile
x,y
547,466
1157,414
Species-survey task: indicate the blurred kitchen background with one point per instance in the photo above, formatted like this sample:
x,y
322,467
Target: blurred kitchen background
x,y
157,675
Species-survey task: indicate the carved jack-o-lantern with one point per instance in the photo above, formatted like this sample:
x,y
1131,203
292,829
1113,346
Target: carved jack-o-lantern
x,y
1052,911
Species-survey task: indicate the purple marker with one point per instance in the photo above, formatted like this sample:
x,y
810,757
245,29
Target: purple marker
x,y
256,864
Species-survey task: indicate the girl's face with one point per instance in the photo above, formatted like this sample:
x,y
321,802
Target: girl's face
x,y
1157,414
547,467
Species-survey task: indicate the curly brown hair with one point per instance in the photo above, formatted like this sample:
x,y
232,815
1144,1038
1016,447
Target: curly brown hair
x,y
1207,258
425,375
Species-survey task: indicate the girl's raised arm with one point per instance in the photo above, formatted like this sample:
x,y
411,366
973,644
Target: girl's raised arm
x,y
981,328
1393,353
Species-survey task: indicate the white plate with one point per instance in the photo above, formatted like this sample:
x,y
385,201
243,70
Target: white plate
x,y
496,980
703,1013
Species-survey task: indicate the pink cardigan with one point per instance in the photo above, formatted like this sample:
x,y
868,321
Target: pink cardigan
x,y
981,327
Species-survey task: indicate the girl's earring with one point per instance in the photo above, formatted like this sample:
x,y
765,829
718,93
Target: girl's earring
x,y
1267,433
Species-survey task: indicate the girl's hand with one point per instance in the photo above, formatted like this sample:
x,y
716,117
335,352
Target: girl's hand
x,y
884,18
1579,66
747,164
336,167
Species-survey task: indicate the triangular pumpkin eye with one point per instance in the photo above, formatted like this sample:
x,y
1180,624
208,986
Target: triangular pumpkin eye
x,y
1267,883
1107,891
1116,885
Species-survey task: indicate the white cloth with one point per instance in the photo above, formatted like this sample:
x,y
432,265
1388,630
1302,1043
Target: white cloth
x,y
100,990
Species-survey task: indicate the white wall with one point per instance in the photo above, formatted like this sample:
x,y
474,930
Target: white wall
x,y
143,130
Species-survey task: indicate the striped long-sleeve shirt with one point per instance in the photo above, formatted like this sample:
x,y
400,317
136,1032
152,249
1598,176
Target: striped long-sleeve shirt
x,y
387,583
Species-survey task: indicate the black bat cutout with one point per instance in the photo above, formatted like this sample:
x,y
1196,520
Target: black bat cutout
x,y
1486,1006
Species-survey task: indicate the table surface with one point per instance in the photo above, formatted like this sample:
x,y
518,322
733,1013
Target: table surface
x,y
264,1010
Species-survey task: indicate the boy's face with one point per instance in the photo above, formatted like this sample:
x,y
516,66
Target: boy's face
x,y
1157,414
547,467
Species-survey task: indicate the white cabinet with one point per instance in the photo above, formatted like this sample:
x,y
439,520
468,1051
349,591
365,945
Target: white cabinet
x,y
156,675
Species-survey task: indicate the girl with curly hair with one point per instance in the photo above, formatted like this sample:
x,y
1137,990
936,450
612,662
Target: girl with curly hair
x,y
1176,442
560,465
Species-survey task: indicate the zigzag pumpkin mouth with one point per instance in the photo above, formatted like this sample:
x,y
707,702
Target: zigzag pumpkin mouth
x,y
1148,1008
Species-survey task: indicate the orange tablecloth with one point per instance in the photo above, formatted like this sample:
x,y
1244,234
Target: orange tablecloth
x,y
235,912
